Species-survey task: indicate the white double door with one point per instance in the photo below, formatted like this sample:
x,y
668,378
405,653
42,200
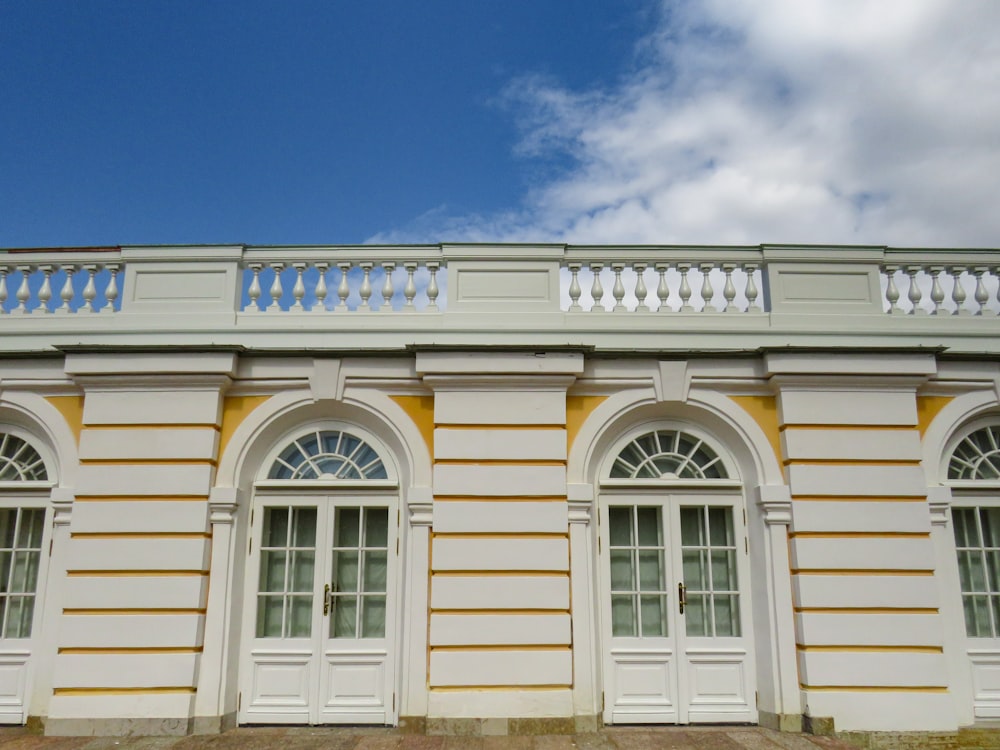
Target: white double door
x,y
318,631
676,612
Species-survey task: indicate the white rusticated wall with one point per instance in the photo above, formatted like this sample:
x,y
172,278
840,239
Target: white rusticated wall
x,y
131,630
500,640
869,631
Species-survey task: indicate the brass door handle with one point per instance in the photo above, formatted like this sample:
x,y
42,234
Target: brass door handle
x,y
681,597
326,599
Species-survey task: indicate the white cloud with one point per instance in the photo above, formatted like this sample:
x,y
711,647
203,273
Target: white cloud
x,y
749,121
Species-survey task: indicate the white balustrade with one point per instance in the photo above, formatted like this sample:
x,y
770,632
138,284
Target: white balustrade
x,y
941,289
52,288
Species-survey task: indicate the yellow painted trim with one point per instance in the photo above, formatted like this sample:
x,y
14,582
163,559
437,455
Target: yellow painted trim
x,y
71,408
928,407
873,649
502,573
140,498
154,426
500,498
863,427
420,409
764,411
148,461
495,688
860,498
123,691
132,611
519,612
867,610
234,410
496,462
140,535
859,535
875,688
499,535
859,572
578,410
134,650
497,427
849,462
134,573
506,647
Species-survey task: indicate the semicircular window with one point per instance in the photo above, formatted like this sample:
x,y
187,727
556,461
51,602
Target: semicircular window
x,y
328,454
19,461
977,456
668,454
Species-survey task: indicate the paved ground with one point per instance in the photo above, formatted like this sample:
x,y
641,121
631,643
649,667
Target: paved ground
x,y
619,738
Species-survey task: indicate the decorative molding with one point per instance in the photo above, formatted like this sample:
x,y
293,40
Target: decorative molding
x,y
939,503
223,503
420,505
672,381
62,499
775,501
580,511
327,380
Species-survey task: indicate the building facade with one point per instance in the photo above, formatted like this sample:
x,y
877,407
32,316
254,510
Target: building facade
x,y
514,486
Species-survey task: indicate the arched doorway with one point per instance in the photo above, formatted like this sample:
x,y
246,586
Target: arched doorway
x,y
319,629
673,576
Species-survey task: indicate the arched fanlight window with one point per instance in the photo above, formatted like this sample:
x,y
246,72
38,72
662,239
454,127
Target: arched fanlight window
x,y
668,454
328,454
19,461
977,456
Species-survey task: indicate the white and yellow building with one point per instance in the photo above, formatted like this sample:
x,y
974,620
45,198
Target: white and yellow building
x,y
515,486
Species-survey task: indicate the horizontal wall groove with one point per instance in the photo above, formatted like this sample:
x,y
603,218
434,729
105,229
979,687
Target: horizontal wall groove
x,y
498,427
872,649
846,462
511,535
858,572
148,461
500,573
877,688
859,535
139,498
860,498
132,650
140,535
868,610
123,691
496,462
152,611
831,427
496,688
503,647
500,498
133,573
495,612
155,426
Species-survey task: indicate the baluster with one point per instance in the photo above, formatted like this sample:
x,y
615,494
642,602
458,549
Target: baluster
x,y
432,286
706,287
913,293
751,291
3,289
981,295
320,304
410,289
299,288
23,291
387,290
957,290
276,289
596,290
574,287
892,291
45,290
937,293
662,290
618,290
640,287
366,287
66,293
344,288
254,291
89,291
729,290
685,290
111,293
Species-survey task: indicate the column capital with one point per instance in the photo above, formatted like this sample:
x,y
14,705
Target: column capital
x,y
775,500
223,503
420,506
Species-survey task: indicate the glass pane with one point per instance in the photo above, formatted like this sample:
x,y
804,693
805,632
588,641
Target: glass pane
x,y
25,572
623,616
269,616
345,615
346,575
620,526
650,570
272,570
653,610
376,527
727,615
992,569
995,605
300,616
622,573
964,522
723,570
649,527
977,618
692,531
695,577
304,527
696,615
348,527
5,559
375,571
19,609
373,617
275,527
990,518
32,524
303,571
970,571
8,522
720,526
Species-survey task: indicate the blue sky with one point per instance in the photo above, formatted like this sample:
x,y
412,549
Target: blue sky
x,y
701,121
